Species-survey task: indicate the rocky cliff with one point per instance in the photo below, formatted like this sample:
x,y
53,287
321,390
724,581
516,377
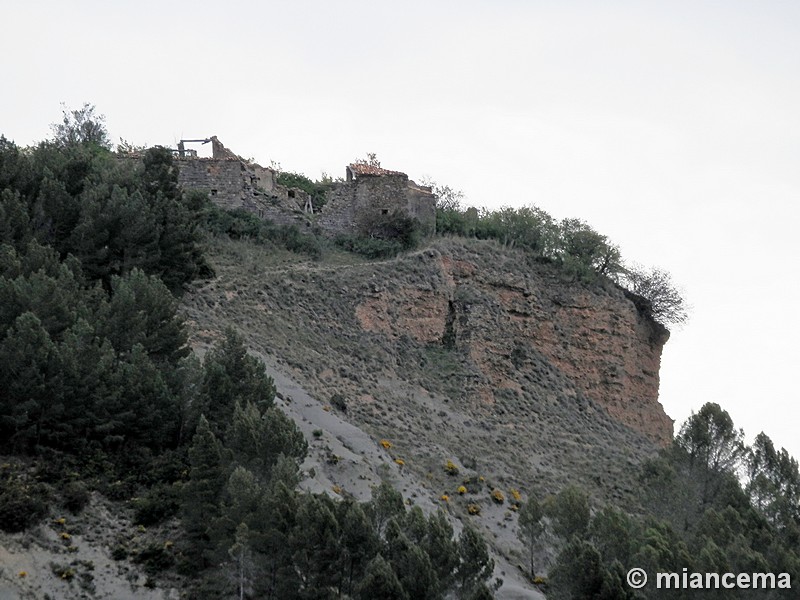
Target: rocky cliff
x,y
592,335
464,351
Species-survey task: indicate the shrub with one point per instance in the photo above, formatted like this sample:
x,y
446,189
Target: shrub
x,y
75,496
451,468
22,503
498,496
664,301
339,402
473,509
154,558
161,502
368,247
396,226
315,189
291,238
65,572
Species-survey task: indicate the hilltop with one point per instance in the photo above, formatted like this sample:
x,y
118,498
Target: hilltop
x,y
200,403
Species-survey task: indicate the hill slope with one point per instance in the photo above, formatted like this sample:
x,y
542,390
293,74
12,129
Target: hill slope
x,y
463,352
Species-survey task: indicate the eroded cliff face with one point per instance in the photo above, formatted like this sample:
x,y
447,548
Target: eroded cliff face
x,y
464,351
515,322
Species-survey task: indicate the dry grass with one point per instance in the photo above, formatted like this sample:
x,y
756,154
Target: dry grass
x,y
536,437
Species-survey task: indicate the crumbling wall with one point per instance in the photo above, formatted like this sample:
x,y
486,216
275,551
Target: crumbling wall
x,y
369,196
231,183
369,192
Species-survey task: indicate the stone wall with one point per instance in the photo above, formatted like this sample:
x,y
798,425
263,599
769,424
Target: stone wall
x,y
369,192
232,183
368,197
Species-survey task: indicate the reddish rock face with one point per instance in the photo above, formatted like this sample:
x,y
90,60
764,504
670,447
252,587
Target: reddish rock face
x,y
511,323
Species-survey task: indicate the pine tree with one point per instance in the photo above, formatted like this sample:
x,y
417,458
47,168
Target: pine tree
x,y
28,364
380,581
317,545
411,564
232,375
530,530
142,311
258,440
441,548
386,503
359,544
202,492
475,565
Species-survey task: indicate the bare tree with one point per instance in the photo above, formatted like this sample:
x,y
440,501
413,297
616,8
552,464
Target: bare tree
x,y
666,302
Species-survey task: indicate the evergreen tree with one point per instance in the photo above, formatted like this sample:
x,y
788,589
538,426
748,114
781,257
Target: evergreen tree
x,y
359,544
530,530
317,546
28,364
386,503
475,565
232,375
273,535
578,573
611,532
380,581
15,229
441,548
202,491
142,311
569,512
411,564
257,440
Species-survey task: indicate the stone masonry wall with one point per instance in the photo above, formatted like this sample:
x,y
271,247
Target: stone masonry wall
x,y
232,183
350,203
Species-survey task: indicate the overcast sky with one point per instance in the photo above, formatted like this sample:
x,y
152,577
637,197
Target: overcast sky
x,y
672,127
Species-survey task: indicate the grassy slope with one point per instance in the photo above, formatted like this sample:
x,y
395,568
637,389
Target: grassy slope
x,y
302,314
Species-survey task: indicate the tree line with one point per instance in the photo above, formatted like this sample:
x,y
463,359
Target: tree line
x,y
707,504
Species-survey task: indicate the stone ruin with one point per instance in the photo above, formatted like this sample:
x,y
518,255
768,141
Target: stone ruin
x,y
367,193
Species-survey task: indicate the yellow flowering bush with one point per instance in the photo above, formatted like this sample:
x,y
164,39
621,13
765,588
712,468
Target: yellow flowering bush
x,y
474,509
498,496
462,490
451,468
386,444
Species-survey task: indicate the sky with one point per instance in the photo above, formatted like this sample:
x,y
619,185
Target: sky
x,y
672,127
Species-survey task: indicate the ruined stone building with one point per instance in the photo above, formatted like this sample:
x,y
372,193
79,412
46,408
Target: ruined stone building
x,y
232,182
368,192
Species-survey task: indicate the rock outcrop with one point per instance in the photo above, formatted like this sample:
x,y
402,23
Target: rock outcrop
x,y
593,335
464,351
